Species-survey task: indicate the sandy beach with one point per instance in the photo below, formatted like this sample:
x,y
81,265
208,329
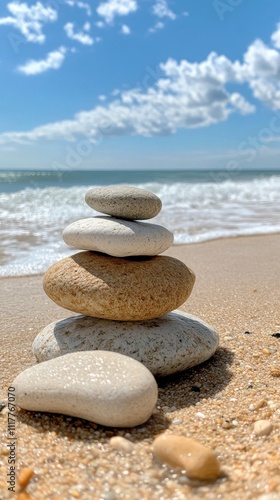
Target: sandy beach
x,y
236,291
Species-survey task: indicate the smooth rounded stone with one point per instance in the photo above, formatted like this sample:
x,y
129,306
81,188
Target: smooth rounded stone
x,y
104,387
262,427
197,460
126,202
121,444
127,289
118,237
165,345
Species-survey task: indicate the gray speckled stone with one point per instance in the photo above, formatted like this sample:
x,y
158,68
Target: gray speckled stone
x,y
118,237
126,202
165,345
104,387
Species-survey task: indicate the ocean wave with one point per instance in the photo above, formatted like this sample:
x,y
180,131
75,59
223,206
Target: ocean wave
x,y
32,219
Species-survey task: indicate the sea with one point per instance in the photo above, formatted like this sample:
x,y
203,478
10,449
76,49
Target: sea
x,y
198,206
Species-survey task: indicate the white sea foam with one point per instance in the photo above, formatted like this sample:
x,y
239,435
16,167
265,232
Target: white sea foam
x,y
32,219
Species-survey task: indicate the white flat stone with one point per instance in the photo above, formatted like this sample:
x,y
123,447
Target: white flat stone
x,y
165,345
117,237
126,202
104,387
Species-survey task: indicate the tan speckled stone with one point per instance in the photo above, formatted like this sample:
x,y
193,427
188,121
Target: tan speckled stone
x,y
197,460
127,289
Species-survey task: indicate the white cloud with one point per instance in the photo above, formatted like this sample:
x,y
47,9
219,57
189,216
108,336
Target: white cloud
x,y
161,9
100,24
188,95
158,26
29,20
125,30
54,60
240,104
262,61
80,5
262,65
112,8
80,36
275,37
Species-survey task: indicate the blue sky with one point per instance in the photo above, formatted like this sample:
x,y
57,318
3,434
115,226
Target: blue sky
x,y
140,84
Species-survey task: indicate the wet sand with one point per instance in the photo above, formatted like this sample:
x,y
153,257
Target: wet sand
x,y
236,291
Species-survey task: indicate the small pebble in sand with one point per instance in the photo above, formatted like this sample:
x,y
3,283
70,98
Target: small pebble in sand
x,y
276,335
24,476
121,444
260,404
262,427
4,450
266,351
199,414
197,460
23,496
275,372
226,424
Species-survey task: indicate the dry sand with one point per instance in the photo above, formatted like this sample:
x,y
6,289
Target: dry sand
x,y
237,291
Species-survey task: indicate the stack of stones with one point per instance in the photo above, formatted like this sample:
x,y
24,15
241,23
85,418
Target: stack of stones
x,y
127,298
